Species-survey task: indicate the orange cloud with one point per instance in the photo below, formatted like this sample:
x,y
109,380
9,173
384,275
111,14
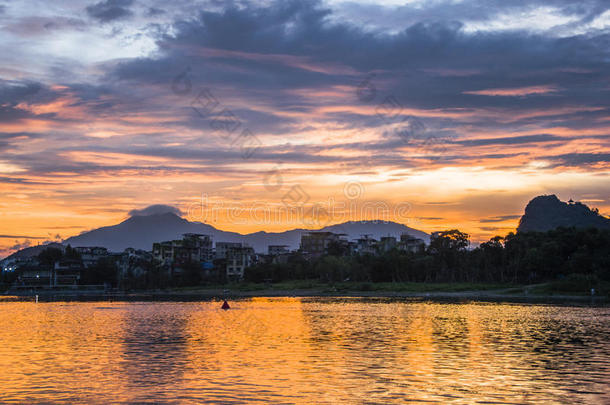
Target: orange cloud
x,y
515,92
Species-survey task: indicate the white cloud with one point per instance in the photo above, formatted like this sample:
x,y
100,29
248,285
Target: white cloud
x,y
534,19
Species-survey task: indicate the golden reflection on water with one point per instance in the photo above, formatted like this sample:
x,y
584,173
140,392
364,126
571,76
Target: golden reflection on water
x,y
292,350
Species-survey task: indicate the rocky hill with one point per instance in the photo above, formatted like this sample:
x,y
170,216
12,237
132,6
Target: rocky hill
x,y
547,212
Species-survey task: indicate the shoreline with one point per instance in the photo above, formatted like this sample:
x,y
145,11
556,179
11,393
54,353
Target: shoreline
x,y
495,296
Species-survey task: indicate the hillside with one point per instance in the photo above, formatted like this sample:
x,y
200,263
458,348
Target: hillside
x,y
141,231
33,251
547,212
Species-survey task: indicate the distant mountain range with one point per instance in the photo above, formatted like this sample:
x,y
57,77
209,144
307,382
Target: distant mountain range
x,y
141,231
143,228
547,212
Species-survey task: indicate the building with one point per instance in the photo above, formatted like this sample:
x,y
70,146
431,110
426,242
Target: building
x,y
33,277
277,254
238,259
317,243
91,255
13,264
133,262
386,244
366,245
223,247
64,273
200,246
192,247
352,248
163,251
276,250
410,243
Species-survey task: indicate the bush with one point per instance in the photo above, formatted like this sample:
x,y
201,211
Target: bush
x,y
576,283
366,287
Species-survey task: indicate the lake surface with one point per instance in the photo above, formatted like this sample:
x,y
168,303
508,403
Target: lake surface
x,y
303,350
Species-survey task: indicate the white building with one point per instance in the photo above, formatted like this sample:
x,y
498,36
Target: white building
x,y
238,259
90,255
409,243
222,249
193,247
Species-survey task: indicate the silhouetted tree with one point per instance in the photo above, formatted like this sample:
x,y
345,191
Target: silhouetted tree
x,y
104,271
71,254
49,256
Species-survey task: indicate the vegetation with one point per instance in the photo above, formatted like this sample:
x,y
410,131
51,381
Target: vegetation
x,y
577,259
103,272
564,260
49,256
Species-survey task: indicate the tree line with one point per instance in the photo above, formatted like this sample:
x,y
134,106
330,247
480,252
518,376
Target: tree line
x,y
519,258
579,256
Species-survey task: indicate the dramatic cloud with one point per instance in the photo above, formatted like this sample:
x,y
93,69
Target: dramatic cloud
x,y
513,140
109,10
15,92
459,102
153,11
581,159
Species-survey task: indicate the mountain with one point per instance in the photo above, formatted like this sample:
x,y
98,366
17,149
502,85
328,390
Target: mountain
x,y
33,251
141,231
547,212
375,229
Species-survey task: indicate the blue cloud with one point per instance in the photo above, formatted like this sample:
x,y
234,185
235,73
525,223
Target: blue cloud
x,y
110,10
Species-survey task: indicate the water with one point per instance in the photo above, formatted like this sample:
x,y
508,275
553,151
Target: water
x,y
303,351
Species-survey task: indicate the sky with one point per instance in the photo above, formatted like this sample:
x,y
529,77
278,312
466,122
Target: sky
x,y
276,115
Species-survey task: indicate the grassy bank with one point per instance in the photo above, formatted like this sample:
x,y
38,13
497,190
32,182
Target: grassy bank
x,y
552,292
560,287
392,287
357,287
541,293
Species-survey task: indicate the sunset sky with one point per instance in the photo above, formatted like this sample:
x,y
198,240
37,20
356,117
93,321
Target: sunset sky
x,y
436,114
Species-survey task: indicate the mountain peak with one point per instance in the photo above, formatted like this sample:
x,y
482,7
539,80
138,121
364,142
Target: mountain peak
x,y
152,217
546,212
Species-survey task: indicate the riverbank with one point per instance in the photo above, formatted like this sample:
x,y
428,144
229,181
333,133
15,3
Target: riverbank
x,y
539,293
